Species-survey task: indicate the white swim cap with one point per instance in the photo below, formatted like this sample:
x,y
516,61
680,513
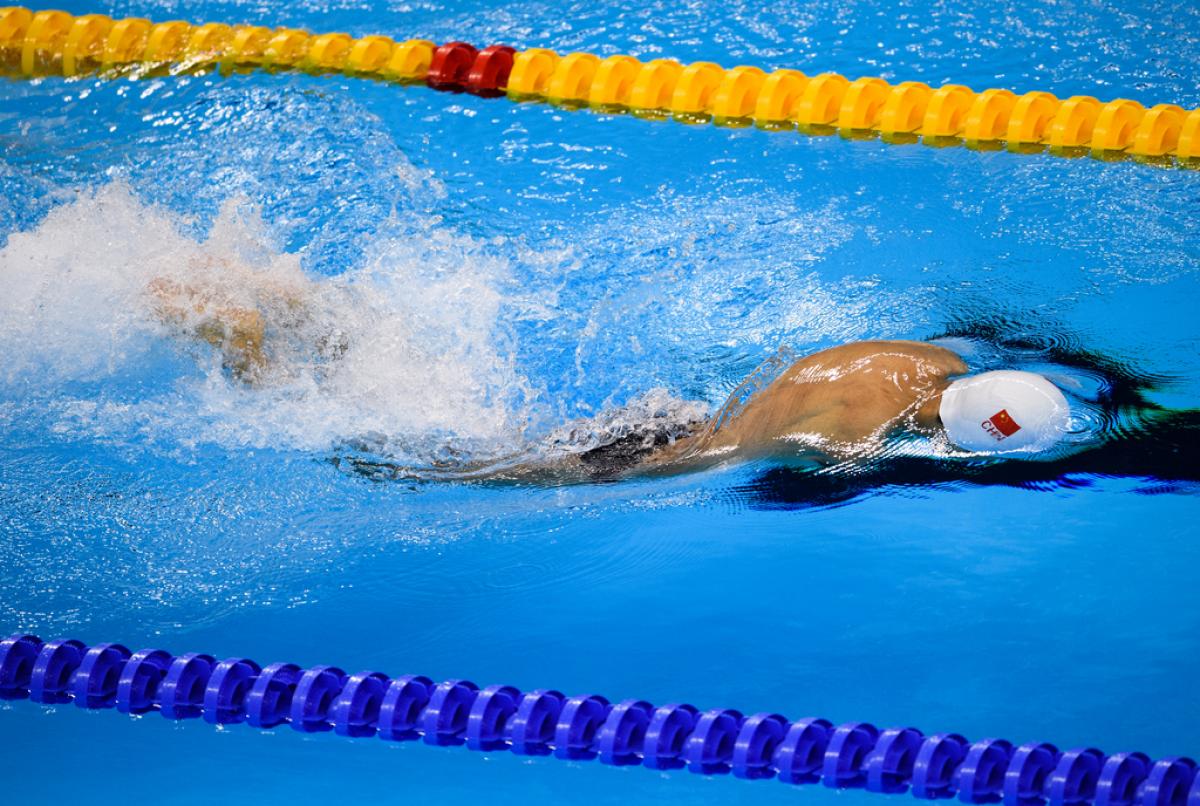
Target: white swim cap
x,y
1004,412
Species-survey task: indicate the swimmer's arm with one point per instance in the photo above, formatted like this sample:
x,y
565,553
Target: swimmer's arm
x,y
238,332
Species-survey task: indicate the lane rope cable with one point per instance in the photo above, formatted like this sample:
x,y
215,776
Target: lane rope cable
x,y
544,722
43,43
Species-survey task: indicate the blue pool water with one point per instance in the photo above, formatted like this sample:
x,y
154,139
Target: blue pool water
x,y
502,270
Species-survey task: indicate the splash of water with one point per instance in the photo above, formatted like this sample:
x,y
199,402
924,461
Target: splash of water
x,y
416,328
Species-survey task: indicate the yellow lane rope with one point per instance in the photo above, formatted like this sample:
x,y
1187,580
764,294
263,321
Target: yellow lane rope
x,y
38,43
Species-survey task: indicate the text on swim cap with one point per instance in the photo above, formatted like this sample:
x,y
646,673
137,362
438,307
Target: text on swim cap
x,y
1001,425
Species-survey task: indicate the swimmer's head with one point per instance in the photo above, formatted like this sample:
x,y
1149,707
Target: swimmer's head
x,y
1004,412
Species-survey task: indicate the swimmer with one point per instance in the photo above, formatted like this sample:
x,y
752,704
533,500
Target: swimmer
x,y
833,405
844,402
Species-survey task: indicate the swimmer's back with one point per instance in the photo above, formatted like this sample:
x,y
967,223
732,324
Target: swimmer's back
x,y
839,398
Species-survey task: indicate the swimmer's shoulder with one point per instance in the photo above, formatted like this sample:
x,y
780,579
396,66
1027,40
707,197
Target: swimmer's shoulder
x,y
949,361
941,359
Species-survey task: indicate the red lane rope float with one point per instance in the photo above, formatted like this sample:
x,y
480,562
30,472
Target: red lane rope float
x,y
451,65
490,70
544,722
56,43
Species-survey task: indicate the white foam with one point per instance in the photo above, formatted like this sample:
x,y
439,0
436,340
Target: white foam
x,y
655,413
425,354
66,311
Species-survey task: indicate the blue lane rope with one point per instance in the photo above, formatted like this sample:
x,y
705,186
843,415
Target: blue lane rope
x,y
544,722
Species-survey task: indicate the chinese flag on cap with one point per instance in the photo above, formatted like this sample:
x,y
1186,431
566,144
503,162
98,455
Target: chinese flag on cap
x,y
1005,424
